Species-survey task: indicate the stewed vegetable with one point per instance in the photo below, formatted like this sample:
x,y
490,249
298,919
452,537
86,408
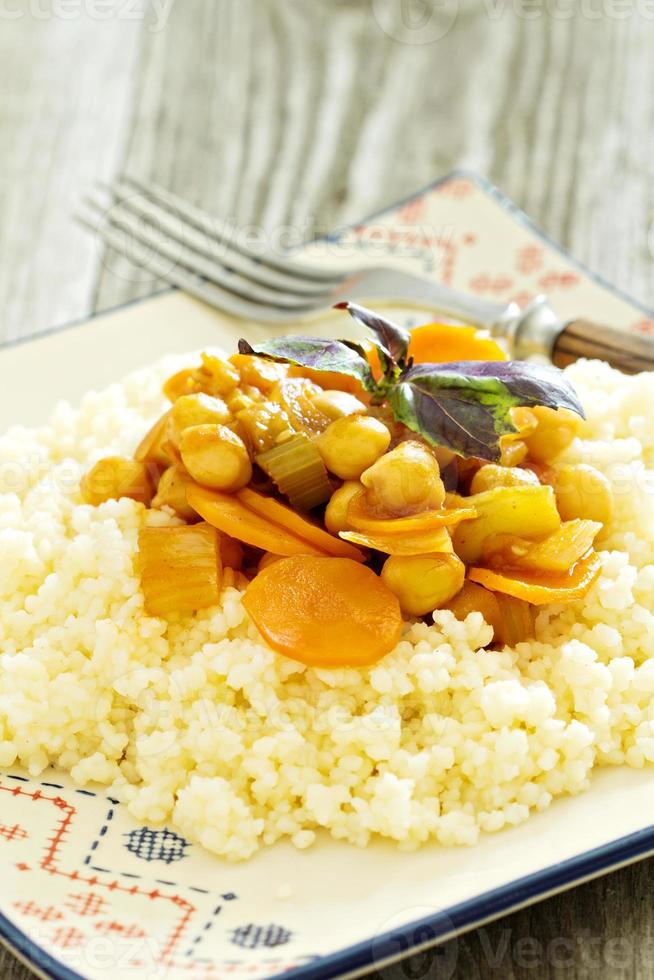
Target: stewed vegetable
x,y
346,486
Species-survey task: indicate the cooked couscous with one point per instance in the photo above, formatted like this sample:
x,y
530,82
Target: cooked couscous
x,y
194,719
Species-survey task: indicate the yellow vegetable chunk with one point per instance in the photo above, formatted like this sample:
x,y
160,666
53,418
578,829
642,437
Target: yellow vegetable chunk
x,y
181,570
491,475
261,425
336,517
555,431
216,457
416,543
171,492
297,469
114,477
351,445
556,553
405,481
525,511
583,492
296,397
541,588
425,582
517,620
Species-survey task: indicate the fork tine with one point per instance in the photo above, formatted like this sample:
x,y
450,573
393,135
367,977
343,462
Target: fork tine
x,y
193,284
228,235
207,245
179,254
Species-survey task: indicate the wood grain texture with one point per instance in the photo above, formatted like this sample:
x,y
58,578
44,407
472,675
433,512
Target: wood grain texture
x,y
301,114
630,353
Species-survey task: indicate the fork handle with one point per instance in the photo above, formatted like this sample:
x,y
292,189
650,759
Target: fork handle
x,y
629,352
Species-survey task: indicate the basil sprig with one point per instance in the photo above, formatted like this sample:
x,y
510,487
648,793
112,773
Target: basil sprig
x,y
464,406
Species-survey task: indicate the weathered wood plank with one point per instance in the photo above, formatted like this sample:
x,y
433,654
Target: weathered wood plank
x,y
65,93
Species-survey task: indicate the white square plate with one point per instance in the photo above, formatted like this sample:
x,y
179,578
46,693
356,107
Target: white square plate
x,y
87,890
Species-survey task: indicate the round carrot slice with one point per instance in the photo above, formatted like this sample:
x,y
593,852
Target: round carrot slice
x,y
540,589
226,512
324,612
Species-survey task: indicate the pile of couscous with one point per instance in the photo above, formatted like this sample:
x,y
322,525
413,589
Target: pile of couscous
x,y
193,719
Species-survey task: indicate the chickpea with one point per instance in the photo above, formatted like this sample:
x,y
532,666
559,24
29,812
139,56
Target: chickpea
x,y
338,404
197,409
423,583
182,383
350,445
114,477
216,457
490,476
475,598
336,511
583,492
405,481
554,433
171,492
217,376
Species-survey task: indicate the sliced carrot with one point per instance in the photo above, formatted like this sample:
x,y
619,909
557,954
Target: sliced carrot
x,y
361,519
324,612
226,512
539,588
445,342
283,516
418,543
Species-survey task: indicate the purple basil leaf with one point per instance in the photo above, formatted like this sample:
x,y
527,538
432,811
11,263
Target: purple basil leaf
x,y
531,383
319,355
465,406
393,339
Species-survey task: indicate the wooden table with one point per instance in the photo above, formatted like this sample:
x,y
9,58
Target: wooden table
x,y
313,112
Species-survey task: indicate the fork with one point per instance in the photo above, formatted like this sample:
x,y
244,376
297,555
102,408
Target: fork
x,y
205,257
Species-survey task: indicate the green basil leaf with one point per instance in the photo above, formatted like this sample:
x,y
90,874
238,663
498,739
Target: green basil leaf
x,y
393,339
319,355
465,406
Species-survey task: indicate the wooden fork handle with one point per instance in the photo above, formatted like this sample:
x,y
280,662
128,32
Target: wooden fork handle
x,y
629,352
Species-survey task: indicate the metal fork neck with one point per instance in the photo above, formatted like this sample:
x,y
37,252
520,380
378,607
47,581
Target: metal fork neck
x,y
531,331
